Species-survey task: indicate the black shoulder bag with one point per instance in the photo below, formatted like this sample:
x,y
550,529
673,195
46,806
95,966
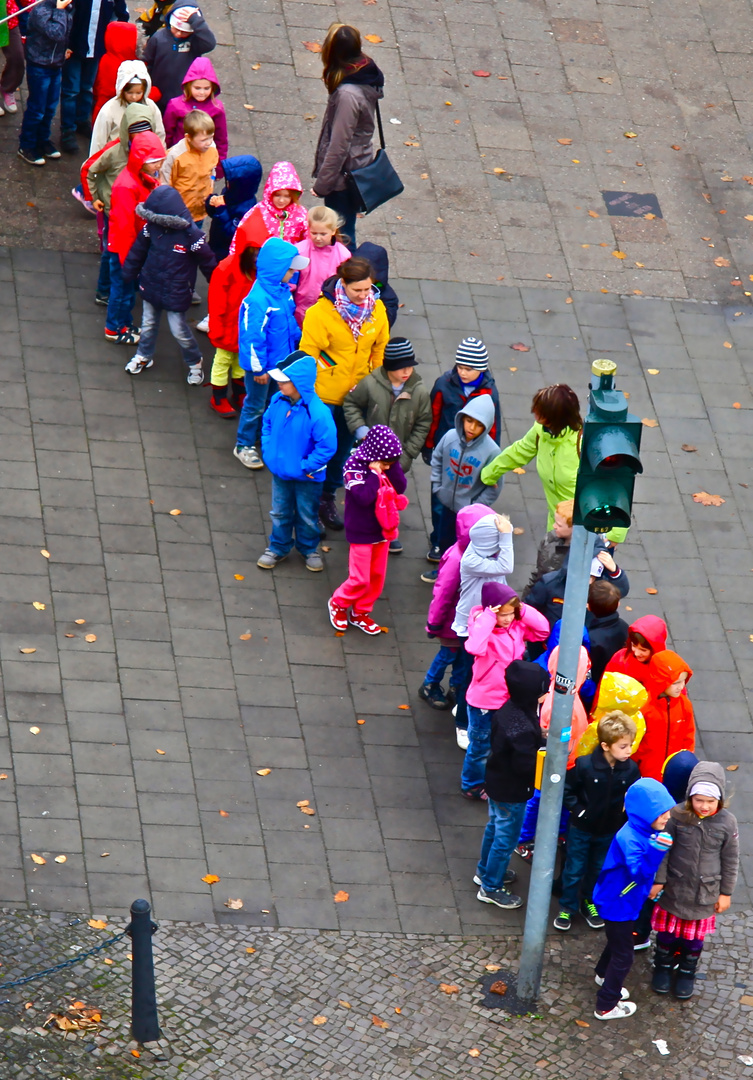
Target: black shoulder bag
x,y
378,182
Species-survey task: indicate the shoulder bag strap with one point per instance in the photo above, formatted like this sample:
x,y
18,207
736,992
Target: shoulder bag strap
x,y
379,125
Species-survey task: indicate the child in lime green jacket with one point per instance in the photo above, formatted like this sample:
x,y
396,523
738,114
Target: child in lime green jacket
x,y
554,440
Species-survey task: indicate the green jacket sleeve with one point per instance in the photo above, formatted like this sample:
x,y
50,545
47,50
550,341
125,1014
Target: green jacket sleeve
x,y
514,456
355,406
415,441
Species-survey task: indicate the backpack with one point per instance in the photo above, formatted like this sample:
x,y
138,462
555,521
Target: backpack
x,y
387,508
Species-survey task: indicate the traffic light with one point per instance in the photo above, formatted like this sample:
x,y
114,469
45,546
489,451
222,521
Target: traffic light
x,y
609,455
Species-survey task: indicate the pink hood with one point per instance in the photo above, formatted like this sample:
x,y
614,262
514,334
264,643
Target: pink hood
x,y
447,586
202,68
580,719
496,647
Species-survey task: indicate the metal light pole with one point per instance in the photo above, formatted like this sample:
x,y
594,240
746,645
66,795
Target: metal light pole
x,y
553,782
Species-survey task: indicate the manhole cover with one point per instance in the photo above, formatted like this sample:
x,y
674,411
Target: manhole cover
x,y
631,204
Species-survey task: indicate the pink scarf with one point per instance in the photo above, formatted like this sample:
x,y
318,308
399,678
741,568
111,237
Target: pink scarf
x,y
355,315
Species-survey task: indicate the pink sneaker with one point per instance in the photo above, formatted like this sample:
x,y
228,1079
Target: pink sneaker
x,y
9,103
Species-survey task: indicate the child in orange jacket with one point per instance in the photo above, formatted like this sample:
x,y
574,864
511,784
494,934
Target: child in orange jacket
x,y
670,724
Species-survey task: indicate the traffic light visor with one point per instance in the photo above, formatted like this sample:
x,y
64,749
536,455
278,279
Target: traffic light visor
x,y
612,447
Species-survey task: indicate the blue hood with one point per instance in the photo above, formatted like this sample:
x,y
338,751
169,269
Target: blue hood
x,y
242,178
379,259
302,374
644,802
273,263
163,207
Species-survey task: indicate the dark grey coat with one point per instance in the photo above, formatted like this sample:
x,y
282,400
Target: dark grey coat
x,y
702,863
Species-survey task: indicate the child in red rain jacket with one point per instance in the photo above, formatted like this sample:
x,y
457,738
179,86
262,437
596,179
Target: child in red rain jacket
x,y
646,637
670,725
228,288
278,212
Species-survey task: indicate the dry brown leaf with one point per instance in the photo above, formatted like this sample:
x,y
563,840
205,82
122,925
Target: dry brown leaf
x,y
312,46
234,905
481,74
518,346
736,405
69,635
688,448
255,67
592,213
608,79
90,637
449,988
303,802
79,622
513,369
45,552
27,651
360,721
345,1004
309,116
38,606
38,859
249,950
263,772
378,1022
403,706
705,499
319,1020
493,967
631,135
250,109
565,142
582,1023
61,858
727,179
519,471
474,1052
223,813
34,730
244,637
619,254
721,261
647,422
98,924
727,344
211,879
732,768
375,39
161,751
498,987
341,896
308,810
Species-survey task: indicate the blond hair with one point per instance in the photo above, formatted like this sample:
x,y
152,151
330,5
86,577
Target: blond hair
x,y
197,122
566,510
325,215
616,725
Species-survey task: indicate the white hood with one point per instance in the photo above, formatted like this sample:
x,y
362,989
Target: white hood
x,y
130,69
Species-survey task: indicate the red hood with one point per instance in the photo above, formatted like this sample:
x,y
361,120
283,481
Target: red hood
x,y
654,630
665,668
120,40
145,145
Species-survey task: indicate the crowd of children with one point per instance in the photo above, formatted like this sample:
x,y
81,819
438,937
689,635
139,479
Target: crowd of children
x,y
325,398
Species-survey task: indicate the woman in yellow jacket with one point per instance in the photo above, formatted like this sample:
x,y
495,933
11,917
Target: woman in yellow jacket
x,y
345,331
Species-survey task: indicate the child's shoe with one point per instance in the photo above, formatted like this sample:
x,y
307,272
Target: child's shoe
x,y
222,407
624,993
621,1010
461,735
69,142
510,876
10,105
500,898
429,576
137,364
563,921
49,150
127,335
79,196
685,979
31,157
102,298
525,851
364,622
195,375
269,560
432,694
475,794
314,562
328,512
248,456
338,616
203,325
591,915
396,547
664,962
434,554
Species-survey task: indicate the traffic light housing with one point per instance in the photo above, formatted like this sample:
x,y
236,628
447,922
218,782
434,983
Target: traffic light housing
x,y
609,456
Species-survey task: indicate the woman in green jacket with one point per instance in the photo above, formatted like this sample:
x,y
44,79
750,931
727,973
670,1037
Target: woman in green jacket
x,y
554,440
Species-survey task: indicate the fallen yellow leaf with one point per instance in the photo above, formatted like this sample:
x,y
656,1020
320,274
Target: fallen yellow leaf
x,y
303,802
373,38
98,924
61,858
727,344
34,730
105,855
319,1020
732,768
378,1022
449,988
575,161
175,513
474,1052
630,135
224,813
160,751
27,651
398,1011
592,213
69,635
90,637
582,1023
500,172
653,370
652,592
263,772
79,622
211,879
250,109
239,577
245,637
649,423
513,369
249,950
255,67
308,810
619,254
564,142
641,266
136,1053
45,552
360,721
38,606
38,859
519,471
341,896
345,1004
493,967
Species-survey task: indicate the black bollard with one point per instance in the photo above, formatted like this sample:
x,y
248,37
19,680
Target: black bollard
x,y
144,1022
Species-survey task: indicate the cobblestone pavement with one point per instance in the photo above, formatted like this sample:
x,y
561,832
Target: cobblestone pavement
x,y
228,1014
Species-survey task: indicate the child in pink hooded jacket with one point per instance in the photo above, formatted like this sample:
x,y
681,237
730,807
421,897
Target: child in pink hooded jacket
x,y
325,251
201,89
278,213
498,631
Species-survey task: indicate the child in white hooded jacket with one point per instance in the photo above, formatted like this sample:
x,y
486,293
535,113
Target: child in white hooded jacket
x,y
488,557
132,83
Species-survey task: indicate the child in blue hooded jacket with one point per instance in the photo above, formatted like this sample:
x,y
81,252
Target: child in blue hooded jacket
x,y
267,334
298,438
624,883
227,210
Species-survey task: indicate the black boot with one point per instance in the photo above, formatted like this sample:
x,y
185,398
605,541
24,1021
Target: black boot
x,y
685,981
328,512
664,962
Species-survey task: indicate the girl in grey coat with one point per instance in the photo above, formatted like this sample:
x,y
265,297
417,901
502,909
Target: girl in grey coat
x,y
697,877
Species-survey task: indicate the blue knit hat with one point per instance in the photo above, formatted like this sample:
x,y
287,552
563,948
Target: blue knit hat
x,y
472,353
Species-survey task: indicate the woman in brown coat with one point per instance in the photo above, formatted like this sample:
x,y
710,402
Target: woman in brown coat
x,y
354,84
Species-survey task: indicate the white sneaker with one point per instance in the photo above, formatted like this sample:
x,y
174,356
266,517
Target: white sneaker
x,y
248,456
462,737
624,992
195,375
203,325
621,1011
137,364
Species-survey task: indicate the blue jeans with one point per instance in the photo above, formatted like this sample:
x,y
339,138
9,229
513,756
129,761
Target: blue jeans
x,y
103,280
295,505
584,859
334,475
528,828
254,404
479,748
44,93
500,838
447,532
460,676
346,205
179,328
122,296
77,100
436,513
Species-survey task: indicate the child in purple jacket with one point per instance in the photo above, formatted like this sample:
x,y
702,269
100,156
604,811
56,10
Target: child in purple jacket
x,y
378,455
439,624
201,89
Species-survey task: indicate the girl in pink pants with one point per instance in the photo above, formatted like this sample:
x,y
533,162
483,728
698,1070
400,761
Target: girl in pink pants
x,y
353,601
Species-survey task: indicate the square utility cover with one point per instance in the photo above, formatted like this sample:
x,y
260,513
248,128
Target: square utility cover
x,y
631,204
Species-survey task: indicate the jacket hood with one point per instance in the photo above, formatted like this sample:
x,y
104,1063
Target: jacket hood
x,y
134,112
484,535
165,207
202,68
676,773
584,663
120,40
709,772
132,69
494,593
364,72
273,263
302,373
527,683
242,177
645,801
653,629
479,408
381,444
379,259
145,145
282,175
664,668
467,517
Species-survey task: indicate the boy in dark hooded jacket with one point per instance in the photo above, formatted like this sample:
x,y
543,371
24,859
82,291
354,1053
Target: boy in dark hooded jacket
x,y
166,254
171,51
510,772
380,261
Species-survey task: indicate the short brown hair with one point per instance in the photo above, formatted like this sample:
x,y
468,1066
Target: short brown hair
x,y
559,408
355,269
603,598
197,122
566,509
616,725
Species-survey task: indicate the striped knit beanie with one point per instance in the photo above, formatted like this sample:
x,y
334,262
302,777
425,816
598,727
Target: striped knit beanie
x,y
398,353
472,353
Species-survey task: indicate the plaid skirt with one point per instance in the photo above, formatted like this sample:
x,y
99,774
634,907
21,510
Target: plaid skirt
x,y
687,929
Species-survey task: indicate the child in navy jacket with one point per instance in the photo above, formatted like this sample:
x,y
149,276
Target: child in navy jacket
x,y
623,885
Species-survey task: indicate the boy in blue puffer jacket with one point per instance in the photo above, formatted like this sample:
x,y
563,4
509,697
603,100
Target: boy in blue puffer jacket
x,y
167,253
242,179
623,885
267,334
298,438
